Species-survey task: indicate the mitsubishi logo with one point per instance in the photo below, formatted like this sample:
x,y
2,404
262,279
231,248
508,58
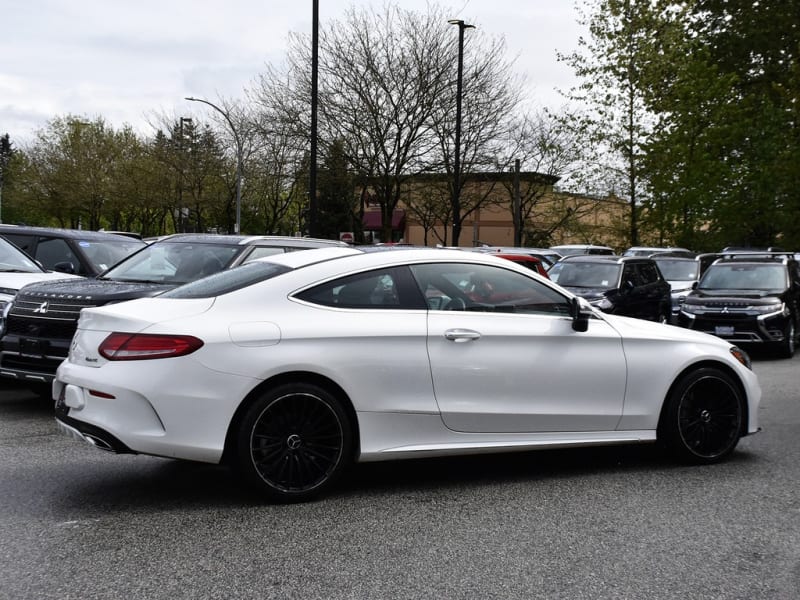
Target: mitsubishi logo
x,y
724,309
42,309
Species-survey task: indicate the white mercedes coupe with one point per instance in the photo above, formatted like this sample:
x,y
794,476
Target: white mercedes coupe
x,y
293,367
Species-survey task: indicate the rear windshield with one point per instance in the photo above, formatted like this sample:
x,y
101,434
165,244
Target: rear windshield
x,y
228,281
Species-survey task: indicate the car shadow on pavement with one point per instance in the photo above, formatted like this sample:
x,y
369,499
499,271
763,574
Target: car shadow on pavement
x,y
527,468
125,484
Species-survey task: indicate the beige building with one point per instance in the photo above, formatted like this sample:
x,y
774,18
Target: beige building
x,y
550,217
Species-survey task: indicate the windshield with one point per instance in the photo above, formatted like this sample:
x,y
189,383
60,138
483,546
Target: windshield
x,y
174,262
744,277
228,281
105,254
585,274
14,260
679,270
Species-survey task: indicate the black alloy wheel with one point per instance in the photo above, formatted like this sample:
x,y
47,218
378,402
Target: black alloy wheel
x,y
702,421
294,442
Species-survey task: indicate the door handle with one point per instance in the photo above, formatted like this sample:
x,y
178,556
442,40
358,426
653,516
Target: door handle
x,y
461,335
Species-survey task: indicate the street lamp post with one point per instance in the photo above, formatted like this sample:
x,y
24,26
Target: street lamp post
x,y
239,151
457,160
313,207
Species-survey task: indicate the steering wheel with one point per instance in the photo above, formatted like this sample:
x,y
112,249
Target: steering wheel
x,y
456,304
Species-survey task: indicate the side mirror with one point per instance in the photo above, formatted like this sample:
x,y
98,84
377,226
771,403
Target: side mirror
x,y
64,267
580,320
694,285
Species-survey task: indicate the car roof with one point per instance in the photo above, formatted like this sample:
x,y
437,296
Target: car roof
x,y
671,257
387,255
521,256
753,260
249,240
576,246
605,258
78,234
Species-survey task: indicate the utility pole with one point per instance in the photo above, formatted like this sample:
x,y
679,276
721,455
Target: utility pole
x,y
312,180
457,160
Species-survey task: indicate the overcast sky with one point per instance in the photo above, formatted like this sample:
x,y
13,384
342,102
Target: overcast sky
x,y
128,60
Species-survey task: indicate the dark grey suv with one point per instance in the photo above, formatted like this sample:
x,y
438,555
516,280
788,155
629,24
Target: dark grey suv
x,y
631,286
748,299
73,251
42,319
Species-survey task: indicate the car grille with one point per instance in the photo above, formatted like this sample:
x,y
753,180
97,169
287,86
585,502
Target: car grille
x,y
48,317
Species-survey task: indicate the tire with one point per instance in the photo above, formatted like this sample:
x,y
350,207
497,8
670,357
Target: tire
x,y
787,347
294,442
702,418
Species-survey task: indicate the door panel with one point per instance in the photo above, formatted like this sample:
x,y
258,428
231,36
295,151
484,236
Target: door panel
x,y
508,359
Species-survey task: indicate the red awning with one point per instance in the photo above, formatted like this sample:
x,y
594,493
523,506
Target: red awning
x,y
372,220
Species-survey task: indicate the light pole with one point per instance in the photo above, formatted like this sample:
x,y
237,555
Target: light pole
x,y
312,180
457,160
238,140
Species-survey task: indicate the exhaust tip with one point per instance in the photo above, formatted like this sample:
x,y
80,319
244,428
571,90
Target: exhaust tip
x,y
98,443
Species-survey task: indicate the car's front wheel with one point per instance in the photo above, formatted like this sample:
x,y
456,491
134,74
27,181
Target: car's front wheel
x,y
294,442
702,418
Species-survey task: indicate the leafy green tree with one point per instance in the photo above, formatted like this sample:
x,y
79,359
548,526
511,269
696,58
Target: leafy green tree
x,y
6,154
615,122
725,90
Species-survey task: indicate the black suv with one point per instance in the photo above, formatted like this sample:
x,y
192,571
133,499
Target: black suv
x,y
74,251
42,319
622,285
751,298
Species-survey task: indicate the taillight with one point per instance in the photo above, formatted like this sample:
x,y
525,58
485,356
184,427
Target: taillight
x,y
145,346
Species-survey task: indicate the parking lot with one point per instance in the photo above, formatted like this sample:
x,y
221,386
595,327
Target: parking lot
x,y
619,522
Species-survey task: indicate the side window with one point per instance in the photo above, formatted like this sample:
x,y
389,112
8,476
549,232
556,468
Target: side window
x,y
382,289
262,251
630,274
648,272
485,288
53,251
25,242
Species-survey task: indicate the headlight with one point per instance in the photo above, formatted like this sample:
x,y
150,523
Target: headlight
x,y
741,356
691,309
769,308
5,307
602,303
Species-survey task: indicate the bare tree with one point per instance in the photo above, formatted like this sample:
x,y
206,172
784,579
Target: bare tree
x,y
490,98
542,151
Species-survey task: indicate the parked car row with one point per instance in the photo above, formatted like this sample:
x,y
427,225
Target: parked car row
x,y
748,296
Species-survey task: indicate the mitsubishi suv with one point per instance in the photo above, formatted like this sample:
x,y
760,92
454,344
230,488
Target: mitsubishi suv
x,y
748,299
42,318
631,286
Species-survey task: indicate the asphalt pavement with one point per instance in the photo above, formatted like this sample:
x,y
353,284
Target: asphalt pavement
x,y
621,522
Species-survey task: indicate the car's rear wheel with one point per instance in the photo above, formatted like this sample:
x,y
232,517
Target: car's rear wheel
x,y
294,442
702,419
